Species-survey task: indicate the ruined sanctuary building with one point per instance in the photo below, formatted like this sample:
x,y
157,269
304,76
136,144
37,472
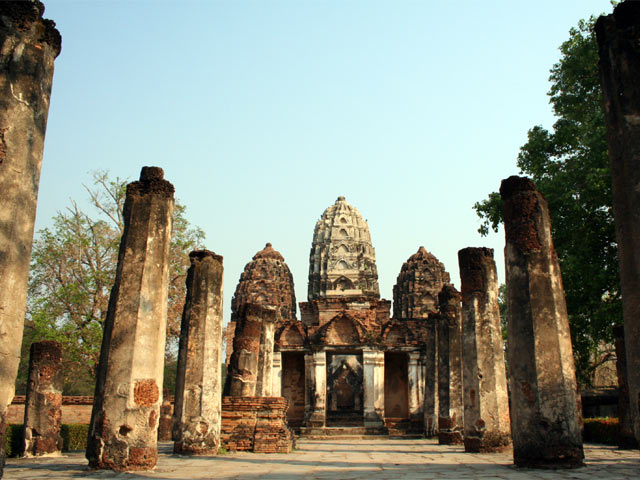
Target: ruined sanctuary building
x,y
544,415
264,296
29,45
485,398
253,413
415,297
124,420
618,36
43,408
198,390
345,363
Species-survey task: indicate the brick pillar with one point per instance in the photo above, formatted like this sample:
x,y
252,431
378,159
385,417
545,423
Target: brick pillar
x,y
276,385
450,424
29,44
315,389
626,439
198,390
245,367
165,422
486,401
373,384
124,421
264,384
43,406
544,417
415,408
431,380
618,36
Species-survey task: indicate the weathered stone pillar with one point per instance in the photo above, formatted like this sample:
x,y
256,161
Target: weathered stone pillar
x,y
421,374
486,401
450,422
245,367
198,390
29,44
43,407
264,384
276,386
165,422
124,421
415,408
544,417
431,380
315,389
373,383
626,439
618,36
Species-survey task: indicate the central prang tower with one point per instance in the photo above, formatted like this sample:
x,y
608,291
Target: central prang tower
x,y
342,262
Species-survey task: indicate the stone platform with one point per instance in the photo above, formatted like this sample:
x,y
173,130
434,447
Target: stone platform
x,y
345,460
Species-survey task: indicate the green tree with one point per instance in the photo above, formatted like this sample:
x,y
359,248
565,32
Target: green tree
x,y
73,266
569,165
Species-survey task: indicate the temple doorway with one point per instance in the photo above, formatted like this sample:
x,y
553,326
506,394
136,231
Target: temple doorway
x,y
396,386
293,387
344,389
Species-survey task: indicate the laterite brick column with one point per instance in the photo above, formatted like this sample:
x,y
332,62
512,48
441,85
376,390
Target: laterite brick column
x,y
431,380
124,421
264,383
315,389
618,38
544,417
486,401
245,367
450,424
373,384
29,44
43,409
198,390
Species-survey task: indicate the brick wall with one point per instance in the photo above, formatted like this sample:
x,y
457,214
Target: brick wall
x,y
255,424
75,409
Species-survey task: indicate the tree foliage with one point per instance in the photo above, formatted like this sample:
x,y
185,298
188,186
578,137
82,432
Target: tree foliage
x,y
569,165
73,266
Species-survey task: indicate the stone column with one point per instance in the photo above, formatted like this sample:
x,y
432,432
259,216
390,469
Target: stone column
x,y
486,401
544,417
43,407
198,390
373,383
315,389
245,368
431,380
124,421
626,439
450,424
29,45
165,422
618,36
264,383
415,408
276,386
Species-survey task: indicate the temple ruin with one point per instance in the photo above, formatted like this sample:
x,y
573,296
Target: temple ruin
x,y
346,363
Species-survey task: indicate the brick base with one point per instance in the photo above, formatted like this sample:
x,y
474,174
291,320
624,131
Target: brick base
x,y
256,424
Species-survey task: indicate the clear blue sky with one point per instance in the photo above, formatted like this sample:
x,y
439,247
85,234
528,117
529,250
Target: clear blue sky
x,y
263,112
